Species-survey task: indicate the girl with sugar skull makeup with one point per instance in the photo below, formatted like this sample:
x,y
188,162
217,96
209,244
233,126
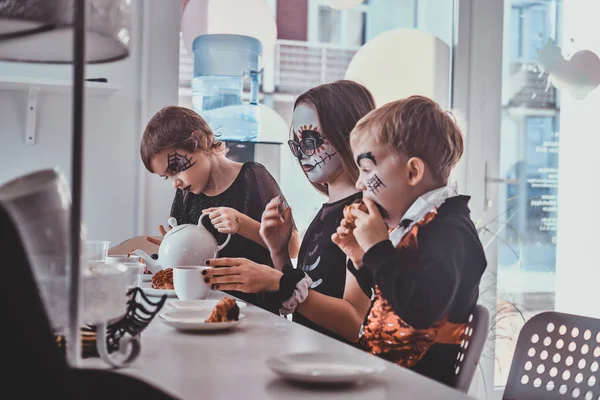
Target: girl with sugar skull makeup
x,y
322,120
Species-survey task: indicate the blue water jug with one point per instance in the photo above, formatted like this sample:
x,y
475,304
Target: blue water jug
x,y
221,62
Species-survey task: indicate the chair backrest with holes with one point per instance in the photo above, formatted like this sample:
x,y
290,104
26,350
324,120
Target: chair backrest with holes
x,y
472,343
557,357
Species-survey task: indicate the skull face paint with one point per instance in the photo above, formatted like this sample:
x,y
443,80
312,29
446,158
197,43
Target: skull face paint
x,y
318,157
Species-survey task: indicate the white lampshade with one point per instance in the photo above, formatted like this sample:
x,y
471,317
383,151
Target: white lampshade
x,y
248,17
343,4
42,30
403,62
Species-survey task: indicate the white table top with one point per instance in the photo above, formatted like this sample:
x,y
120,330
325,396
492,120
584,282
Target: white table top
x,y
231,365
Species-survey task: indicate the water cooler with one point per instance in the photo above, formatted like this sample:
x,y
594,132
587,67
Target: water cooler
x,y
221,63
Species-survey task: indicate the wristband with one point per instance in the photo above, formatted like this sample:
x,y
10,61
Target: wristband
x,y
300,294
288,282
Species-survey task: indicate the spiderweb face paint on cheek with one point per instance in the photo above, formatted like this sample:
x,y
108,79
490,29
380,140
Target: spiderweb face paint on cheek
x,y
374,183
179,163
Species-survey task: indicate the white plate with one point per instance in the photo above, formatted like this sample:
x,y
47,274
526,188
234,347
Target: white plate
x,y
207,304
193,320
147,288
146,277
325,368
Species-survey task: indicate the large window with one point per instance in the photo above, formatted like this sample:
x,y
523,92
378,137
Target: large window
x,y
528,200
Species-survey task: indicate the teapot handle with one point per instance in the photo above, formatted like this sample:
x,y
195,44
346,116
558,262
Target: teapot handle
x,y
228,235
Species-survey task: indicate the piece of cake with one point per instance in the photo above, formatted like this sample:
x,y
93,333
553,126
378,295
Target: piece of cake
x,y
349,217
163,279
226,310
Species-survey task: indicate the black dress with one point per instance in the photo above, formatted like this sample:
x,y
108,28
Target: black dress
x,y
249,194
323,260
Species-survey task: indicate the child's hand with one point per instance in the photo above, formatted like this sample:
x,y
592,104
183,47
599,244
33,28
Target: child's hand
x,y
241,274
276,226
370,227
345,240
224,219
162,231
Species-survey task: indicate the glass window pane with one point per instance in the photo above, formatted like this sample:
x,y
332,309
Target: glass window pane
x,y
329,25
355,28
550,108
516,28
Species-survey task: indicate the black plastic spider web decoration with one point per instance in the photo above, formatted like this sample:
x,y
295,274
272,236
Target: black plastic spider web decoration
x,y
373,184
136,319
179,163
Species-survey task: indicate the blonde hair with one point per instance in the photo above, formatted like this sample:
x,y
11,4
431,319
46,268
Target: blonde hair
x,y
178,128
416,127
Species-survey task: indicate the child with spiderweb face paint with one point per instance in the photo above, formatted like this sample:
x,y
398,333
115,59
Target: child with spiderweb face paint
x,y
424,252
179,145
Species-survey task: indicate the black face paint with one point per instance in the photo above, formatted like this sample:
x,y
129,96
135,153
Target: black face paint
x,y
179,163
373,184
312,134
368,155
322,161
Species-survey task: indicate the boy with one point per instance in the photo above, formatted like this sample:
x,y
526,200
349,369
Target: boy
x,y
426,270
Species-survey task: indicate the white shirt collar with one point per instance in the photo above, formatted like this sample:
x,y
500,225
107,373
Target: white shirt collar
x,y
424,204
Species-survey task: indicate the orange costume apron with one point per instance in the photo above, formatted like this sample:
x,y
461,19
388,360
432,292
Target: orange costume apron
x,y
387,335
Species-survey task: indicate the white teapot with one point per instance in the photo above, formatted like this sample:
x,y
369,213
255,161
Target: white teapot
x,y
186,244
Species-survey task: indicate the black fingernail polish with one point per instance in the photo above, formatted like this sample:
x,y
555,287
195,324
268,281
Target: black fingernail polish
x,y
217,287
207,262
206,280
204,272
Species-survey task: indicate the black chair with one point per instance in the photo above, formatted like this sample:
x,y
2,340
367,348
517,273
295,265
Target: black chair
x,y
474,338
557,357
30,353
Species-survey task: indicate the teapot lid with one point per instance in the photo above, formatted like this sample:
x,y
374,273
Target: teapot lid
x,y
176,229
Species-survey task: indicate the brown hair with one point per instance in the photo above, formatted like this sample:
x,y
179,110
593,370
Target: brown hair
x,y
339,105
417,127
178,128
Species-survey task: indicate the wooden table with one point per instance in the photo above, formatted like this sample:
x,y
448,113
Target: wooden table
x,y
231,365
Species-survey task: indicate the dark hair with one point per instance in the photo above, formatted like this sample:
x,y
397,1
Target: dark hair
x,y
417,127
178,128
339,105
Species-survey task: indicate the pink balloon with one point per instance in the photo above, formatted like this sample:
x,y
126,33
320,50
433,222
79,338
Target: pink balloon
x,y
194,21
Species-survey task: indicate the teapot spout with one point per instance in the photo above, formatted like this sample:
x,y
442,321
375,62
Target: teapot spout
x,y
150,262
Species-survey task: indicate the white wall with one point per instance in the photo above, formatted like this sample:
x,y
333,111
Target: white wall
x,y
159,72
112,126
